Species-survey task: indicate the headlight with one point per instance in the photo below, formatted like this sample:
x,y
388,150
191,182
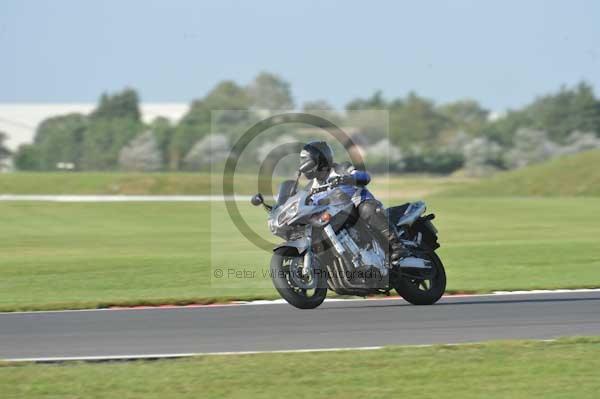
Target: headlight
x,y
272,226
287,213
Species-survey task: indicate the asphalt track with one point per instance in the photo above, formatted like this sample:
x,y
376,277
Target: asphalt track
x,y
276,327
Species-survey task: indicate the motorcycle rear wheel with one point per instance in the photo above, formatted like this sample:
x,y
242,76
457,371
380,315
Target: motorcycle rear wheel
x,y
284,262
422,291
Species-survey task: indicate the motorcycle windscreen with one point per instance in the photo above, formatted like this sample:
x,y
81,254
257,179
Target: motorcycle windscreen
x,y
338,195
285,191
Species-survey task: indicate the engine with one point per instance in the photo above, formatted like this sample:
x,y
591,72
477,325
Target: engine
x,y
363,253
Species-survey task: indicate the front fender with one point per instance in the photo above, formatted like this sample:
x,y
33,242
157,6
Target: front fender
x,y
299,245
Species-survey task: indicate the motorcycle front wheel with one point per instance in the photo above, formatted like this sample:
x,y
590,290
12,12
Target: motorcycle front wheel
x,y
422,287
299,290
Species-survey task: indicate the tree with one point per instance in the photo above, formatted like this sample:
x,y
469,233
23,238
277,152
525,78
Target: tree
x,y
530,146
465,115
271,92
89,143
27,157
323,109
371,125
558,114
503,129
164,133
384,157
103,141
432,160
194,125
227,95
113,124
197,122
578,141
210,150
415,120
482,156
5,153
317,105
142,154
376,101
369,117
566,111
224,107
119,105
60,140
57,140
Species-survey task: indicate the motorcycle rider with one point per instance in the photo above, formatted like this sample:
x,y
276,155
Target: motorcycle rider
x,y
316,163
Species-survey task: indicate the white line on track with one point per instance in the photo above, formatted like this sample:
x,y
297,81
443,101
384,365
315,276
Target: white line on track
x,y
382,298
123,198
282,301
186,355
181,355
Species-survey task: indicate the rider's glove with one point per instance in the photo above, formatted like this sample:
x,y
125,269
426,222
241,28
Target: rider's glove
x,y
342,180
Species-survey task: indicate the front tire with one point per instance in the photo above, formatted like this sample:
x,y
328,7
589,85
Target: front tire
x,y
426,290
286,261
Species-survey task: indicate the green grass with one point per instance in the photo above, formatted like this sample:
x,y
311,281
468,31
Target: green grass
x,y
117,183
77,255
518,369
575,175
185,184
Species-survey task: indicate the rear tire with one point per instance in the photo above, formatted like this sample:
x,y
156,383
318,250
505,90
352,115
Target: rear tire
x,y
294,295
422,291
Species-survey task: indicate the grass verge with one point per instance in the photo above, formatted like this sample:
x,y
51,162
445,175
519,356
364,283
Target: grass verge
x,y
567,368
573,175
118,183
88,255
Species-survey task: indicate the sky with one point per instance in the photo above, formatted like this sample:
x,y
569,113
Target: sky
x,y
501,53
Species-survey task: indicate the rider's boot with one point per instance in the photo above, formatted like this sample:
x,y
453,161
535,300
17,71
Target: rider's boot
x,y
396,249
379,221
398,253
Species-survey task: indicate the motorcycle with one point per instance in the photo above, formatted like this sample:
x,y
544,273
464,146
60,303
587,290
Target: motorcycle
x,y
328,247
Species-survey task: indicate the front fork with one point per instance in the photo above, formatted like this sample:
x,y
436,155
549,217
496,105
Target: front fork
x,y
308,255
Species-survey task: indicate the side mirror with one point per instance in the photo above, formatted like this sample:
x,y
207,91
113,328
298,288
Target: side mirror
x,y
257,200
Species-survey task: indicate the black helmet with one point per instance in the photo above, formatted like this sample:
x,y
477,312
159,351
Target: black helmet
x,y
315,156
